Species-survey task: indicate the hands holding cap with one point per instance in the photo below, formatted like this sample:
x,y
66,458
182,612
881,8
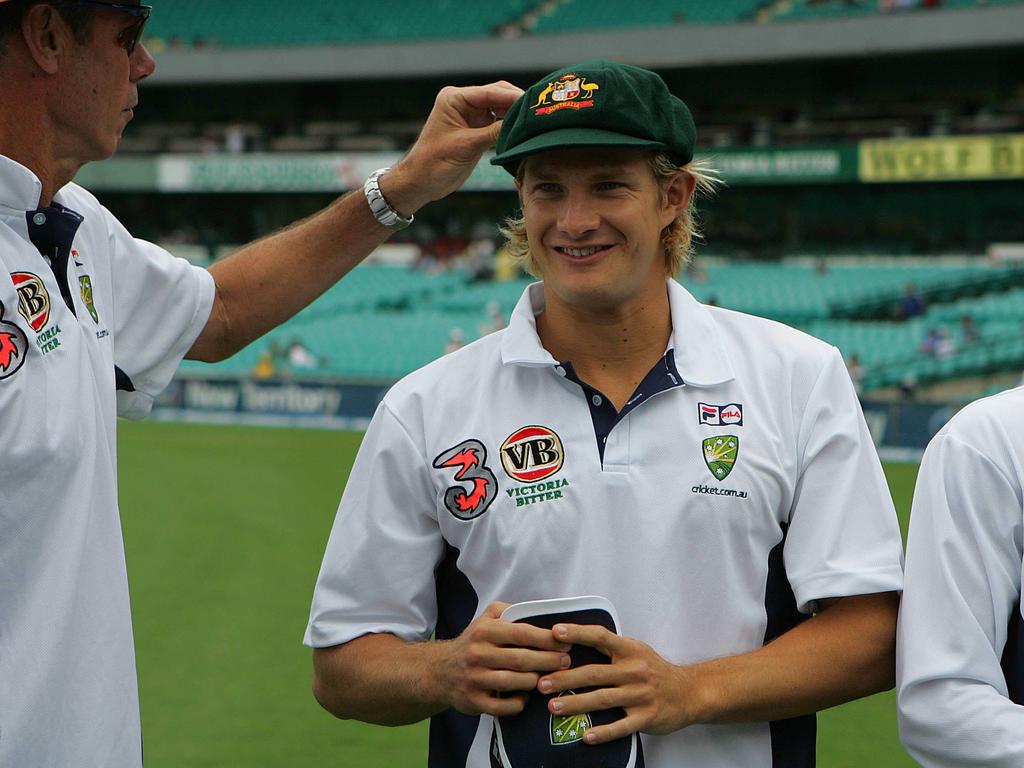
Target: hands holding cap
x,y
463,124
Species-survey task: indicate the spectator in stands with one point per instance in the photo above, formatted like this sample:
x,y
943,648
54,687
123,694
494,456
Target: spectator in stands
x,y
105,318
856,371
456,340
264,368
930,344
969,331
300,357
495,319
912,304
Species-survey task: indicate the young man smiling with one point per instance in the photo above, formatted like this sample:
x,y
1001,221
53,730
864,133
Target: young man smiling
x,y
93,324
716,482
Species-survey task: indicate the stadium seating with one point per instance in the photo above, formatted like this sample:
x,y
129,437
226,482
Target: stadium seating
x,y
382,322
258,23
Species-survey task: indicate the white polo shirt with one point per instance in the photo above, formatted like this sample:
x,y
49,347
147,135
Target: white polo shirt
x,y
68,694
960,644
739,486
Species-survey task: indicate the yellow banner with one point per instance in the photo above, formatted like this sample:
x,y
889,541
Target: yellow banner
x,y
950,158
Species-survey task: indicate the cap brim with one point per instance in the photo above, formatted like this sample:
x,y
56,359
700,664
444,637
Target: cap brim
x,y
570,138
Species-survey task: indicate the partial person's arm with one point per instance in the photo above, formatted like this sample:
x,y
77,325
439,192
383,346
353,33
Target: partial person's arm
x,y
962,589
270,280
842,653
381,679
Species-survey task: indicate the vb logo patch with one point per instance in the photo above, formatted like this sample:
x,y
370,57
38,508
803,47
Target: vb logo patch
x,y
720,454
532,453
13,347
720,415
469,459
570,91
568,729
33,299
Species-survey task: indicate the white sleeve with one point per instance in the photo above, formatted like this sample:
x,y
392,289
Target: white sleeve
x,y
962,587
378,571
160,306
843,537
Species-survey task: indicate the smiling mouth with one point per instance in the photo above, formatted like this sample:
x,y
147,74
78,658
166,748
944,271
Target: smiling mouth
x,y
582,253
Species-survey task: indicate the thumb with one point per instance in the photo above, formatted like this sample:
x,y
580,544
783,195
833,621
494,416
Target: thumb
x,y
486,137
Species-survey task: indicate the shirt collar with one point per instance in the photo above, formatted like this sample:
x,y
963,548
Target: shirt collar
x,y
700,356
20,189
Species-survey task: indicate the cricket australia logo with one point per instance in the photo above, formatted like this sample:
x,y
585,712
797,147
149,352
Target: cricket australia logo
x,y
469,458
569,729
720,453
85,285
566,93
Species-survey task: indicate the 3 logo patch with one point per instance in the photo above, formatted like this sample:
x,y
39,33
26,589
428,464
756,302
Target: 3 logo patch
x,y
13,347
469,458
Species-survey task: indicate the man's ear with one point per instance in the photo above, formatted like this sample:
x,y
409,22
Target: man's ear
x,y
676,195
680,190
47,37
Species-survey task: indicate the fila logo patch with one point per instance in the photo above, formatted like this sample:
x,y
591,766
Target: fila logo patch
x,y
720,415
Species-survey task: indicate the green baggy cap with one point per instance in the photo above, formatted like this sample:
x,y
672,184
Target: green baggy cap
x,y
596,104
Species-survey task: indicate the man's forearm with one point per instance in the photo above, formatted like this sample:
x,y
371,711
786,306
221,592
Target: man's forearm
x,y
379,679
843,653
270,280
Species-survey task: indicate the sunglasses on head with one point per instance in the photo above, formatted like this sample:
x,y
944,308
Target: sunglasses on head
x,y
129,36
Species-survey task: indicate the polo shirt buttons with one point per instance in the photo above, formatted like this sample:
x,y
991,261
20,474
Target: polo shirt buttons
x,y
39,219
596,400
560,370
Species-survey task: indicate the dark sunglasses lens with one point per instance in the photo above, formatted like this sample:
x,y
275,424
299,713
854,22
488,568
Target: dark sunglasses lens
x,y
131,35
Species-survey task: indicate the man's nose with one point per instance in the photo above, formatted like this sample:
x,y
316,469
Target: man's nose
x,y
578,216
143,63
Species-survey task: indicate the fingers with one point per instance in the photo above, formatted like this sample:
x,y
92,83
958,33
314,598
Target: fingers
x,y
592,701
520,659
593,636
496,97
499,706
494,610
601,734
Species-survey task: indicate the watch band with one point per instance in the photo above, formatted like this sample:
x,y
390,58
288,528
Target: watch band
x,y
381,209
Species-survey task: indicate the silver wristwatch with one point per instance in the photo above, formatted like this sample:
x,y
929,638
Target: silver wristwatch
x,y
381,209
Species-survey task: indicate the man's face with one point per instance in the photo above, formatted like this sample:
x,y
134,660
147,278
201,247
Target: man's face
x,y
594,219
101,87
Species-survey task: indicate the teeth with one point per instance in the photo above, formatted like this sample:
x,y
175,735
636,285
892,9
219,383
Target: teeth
x,y
579,252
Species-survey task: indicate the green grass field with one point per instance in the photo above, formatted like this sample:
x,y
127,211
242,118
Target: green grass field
x,y
225,528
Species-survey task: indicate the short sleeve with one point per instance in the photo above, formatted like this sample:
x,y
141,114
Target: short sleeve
x,y
160,306
962,588
377,574
843,537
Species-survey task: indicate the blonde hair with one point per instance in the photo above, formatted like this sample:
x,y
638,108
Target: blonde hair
x,y
676,239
